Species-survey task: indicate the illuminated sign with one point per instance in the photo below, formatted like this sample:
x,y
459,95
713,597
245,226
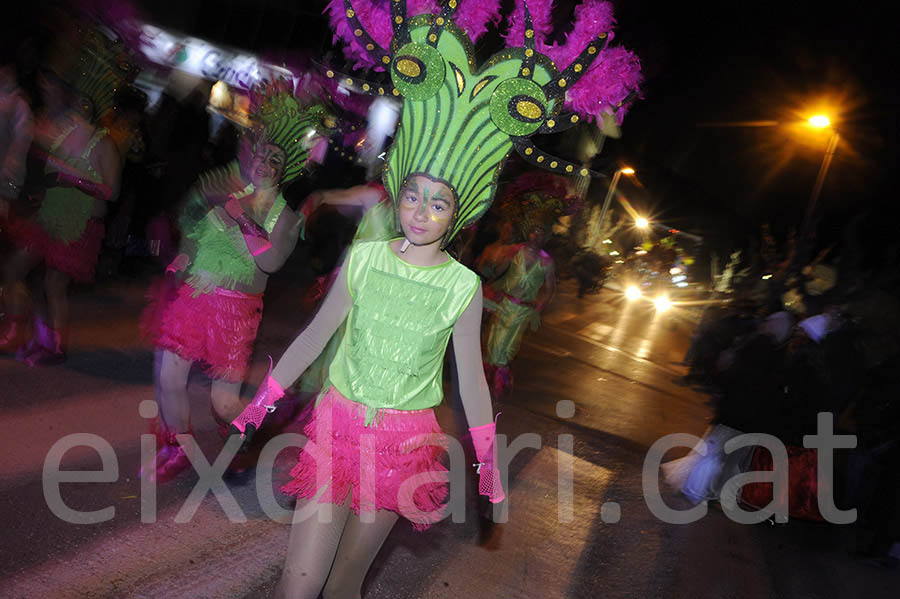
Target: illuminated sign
x,y
200,58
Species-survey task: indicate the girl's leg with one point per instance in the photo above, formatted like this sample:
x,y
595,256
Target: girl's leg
x,y
171,374
56,286
47,346
226,400
358,547
15,294
311,552
13,333
171,390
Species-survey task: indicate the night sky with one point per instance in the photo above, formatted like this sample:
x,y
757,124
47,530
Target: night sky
x,y
725,62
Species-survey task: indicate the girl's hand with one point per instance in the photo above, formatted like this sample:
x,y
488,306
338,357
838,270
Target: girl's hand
x,y
180,263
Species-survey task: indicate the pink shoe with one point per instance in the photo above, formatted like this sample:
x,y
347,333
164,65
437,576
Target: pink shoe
x,y
44,357
45,348
170,461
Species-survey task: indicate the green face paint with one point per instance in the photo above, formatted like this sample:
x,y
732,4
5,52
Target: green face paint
x,y
426,205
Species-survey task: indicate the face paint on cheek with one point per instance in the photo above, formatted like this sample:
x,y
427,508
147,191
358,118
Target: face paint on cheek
x,y
438,217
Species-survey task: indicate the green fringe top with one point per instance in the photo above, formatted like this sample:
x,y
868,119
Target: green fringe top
x,y
221,249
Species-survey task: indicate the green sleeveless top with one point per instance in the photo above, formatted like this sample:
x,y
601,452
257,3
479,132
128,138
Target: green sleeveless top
x,y
65,211
221,249
521,281
392,351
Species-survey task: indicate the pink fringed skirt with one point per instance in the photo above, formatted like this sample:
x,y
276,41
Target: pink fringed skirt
x,y
77,259
217,329
393,464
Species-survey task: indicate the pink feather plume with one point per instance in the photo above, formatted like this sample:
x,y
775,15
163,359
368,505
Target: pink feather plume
x,y
614,76
541,20
473,16
592,17
375,17
611,78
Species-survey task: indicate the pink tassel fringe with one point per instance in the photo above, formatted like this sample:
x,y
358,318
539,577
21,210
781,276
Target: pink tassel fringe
x,y
394,460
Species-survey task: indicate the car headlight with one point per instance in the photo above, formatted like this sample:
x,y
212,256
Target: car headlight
x,y
662,303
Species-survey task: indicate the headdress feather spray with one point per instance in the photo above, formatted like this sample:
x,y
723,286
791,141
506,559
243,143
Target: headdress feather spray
x,y
459,122
99,68
283,121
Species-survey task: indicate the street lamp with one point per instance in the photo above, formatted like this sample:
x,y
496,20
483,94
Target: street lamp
x,y
641,223
820,121
609,194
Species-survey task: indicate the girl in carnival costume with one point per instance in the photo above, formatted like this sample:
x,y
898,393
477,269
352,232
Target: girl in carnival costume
x,y
521,276
238,230
373,428
81,178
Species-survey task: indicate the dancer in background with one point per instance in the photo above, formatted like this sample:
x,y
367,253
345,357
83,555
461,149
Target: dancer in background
x,y
81,178
16,131
238,230
373,427
521,276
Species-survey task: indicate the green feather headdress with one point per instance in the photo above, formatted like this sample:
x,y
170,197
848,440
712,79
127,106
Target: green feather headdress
x,y
460,122
282,120
99,68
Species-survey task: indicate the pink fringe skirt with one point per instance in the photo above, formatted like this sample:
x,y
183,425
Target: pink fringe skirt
x,y
393,464
217,329
77,259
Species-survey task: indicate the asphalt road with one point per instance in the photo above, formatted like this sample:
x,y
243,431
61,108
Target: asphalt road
x,y
615,363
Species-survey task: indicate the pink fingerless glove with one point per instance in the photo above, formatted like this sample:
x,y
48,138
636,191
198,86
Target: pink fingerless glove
x,y
484,438
263,403
180,262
